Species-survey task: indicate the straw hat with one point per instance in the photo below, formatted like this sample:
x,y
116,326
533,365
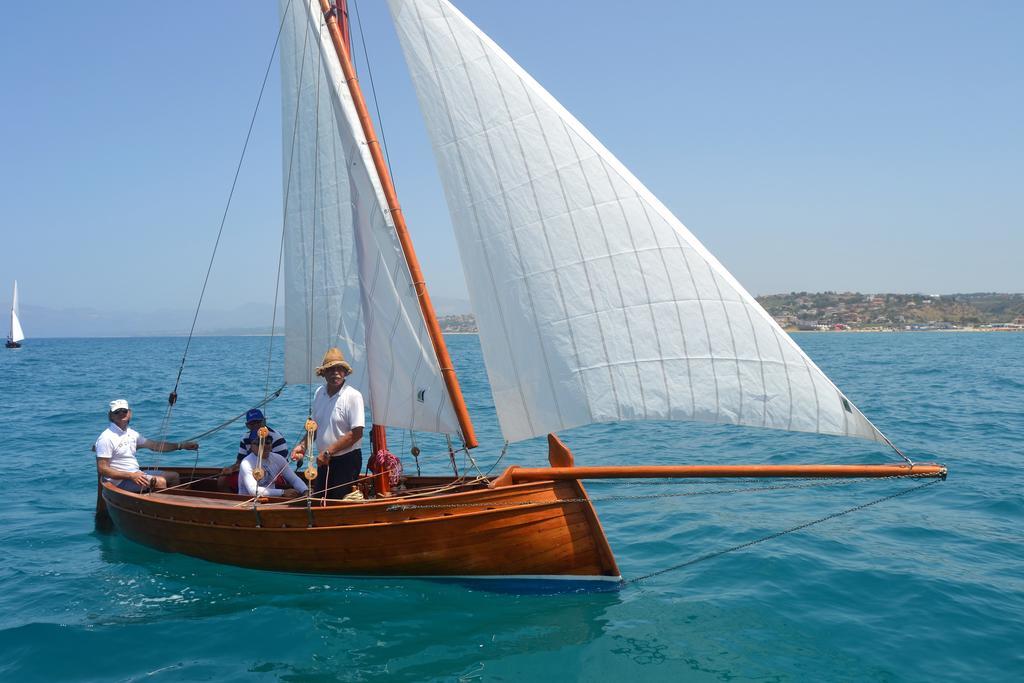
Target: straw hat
x,y
333,357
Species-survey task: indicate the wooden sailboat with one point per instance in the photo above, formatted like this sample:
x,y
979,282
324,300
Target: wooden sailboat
x,y
594,303
16,335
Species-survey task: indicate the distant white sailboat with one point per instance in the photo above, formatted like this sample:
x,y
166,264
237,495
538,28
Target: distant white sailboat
x,y
16,334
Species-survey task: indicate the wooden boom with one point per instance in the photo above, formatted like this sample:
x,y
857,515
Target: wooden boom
x,y
519,475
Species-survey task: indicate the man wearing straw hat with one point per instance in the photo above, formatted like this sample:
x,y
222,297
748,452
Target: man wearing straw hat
x,y
115,453
338,413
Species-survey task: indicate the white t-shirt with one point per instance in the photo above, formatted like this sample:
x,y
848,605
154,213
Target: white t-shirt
x,y
337,415
120,445
273,465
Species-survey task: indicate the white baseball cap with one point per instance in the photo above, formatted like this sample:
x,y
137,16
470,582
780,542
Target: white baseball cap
x,y
119,404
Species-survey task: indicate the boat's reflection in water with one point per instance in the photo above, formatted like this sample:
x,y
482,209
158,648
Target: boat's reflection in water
x,y
405,628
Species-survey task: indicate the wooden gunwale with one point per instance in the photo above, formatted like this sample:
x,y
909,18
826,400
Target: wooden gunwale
x,y
333,527
328,529
150,501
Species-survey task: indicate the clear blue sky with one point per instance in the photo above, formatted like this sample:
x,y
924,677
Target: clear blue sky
x,y
874,146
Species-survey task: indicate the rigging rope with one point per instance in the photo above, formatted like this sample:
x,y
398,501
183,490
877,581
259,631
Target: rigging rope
x,y
173,397
504,450
777,534
273,319
227,206
324,501
898,451
451,456
284,213
195,464
234,419
414,451
316,194
373,94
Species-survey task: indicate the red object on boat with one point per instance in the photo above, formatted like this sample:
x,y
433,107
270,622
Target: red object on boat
x,y
387,470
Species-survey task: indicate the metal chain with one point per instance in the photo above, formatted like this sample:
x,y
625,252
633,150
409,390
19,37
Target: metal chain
x,y
777,534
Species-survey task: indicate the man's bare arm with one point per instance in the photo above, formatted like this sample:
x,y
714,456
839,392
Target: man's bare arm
x,y
105,469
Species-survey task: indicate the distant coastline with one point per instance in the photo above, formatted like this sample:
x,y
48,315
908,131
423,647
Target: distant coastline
x,y
854,311
857,312
796,311
892,330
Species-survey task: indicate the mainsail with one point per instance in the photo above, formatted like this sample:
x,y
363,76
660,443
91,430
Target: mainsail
x,y
17,334
594,302
347,283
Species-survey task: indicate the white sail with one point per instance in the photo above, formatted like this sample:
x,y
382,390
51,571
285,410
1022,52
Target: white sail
x,y
17,334
594,302
347,283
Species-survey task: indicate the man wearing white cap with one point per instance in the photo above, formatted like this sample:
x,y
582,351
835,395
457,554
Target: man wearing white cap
x,y
115,452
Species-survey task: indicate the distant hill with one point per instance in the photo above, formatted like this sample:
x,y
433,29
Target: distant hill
x,y
813,310
458,324
856,310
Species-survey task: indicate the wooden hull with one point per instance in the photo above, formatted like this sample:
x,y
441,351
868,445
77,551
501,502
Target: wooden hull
x,y
536,530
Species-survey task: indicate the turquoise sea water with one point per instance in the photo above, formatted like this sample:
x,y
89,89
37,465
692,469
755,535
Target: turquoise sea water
x,y
927,586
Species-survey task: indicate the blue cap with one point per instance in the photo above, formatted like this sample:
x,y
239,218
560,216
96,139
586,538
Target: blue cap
x,y
253,415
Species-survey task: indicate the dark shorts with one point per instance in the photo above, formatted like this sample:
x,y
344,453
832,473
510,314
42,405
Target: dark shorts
x,y
339,475
129,485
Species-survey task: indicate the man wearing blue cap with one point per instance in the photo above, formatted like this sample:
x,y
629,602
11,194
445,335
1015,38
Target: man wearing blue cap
x,y
254,419
265,473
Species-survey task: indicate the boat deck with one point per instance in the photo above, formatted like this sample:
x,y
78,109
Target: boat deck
x,y
199,490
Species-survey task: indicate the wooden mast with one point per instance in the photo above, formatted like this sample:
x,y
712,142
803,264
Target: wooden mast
x,y
376,153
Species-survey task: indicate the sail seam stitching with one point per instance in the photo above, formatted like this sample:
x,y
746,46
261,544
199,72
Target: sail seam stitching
x,y
515,239
483,249
647,295
757,350
789,380
618,286
732,338
679,318
547,239
817,403
476,216
707,331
